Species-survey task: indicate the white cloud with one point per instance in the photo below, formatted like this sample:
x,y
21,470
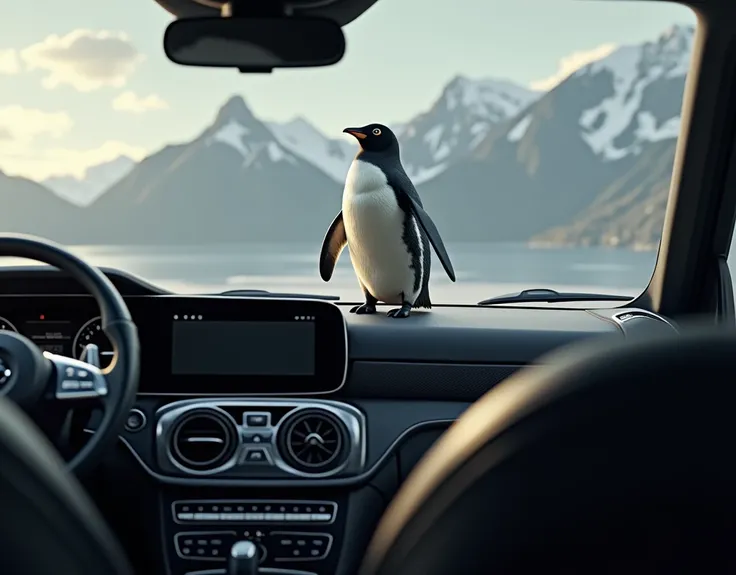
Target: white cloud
x,y
130,102
22,125
9,63
570,64
40,164
84,59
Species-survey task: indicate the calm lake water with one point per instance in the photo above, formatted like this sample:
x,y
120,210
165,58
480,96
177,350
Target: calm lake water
x,y
482,270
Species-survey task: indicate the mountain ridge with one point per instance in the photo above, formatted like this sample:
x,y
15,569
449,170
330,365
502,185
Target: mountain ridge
x,y
493,161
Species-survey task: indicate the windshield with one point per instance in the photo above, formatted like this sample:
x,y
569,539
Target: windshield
x,y
539,134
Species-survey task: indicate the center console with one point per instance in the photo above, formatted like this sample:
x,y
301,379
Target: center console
x,y
294,530
291,536
226,422
296,543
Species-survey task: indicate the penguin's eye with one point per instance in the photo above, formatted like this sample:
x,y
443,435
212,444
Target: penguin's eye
x,y
376,131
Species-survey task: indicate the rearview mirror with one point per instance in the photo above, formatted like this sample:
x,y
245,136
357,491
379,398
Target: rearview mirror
x,y
254,44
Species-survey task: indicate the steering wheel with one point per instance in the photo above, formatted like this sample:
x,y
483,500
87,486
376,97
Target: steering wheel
x,y
33,379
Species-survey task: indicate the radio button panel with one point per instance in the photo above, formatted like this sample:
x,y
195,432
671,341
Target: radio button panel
x,y
254,511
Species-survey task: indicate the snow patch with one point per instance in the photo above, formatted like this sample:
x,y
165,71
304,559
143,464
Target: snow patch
x,y
517,132
333,157
277,154
633,69
432,138
232,134
649,131
424,174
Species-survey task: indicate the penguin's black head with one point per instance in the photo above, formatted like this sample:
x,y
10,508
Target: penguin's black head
x,y
375,138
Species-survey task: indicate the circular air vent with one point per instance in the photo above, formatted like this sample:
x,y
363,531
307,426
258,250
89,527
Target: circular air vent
x,y
204,439
313,441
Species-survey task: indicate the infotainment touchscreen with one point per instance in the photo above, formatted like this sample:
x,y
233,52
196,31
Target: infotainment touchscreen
x,y
232,346
245,348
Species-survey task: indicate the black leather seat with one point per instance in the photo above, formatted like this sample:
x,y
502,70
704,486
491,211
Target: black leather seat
x,y
48,525
618,459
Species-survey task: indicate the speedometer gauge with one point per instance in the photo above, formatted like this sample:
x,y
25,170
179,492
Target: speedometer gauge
x,y
5,325
91,332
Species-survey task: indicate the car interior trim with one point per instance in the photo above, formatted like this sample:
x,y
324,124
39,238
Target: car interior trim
x,y
355,480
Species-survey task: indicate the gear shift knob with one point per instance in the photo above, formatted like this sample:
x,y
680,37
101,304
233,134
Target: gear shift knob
x,y
243,559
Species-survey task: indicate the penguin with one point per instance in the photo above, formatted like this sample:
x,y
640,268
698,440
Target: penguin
x,y
384,224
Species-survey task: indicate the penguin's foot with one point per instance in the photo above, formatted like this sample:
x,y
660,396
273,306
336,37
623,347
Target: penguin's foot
x,y
403,311
363,309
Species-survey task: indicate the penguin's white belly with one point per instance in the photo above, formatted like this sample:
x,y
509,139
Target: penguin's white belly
x,y
374,225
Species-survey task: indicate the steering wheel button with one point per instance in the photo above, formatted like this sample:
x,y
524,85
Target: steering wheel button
x,y
86,385
69,384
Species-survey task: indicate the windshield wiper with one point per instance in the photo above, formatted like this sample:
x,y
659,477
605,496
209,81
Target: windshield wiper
x,y
549,295
265,293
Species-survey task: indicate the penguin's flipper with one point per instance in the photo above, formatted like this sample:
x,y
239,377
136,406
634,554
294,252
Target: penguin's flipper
x,y
332,246
434,237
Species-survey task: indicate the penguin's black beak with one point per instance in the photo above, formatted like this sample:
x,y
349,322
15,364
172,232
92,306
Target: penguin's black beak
x,y
355,132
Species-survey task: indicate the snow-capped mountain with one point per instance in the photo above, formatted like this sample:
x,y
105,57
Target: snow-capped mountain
x,y
646,95
589,160
97,179
594,151
454,125
333,157
234,182
237,128
457,122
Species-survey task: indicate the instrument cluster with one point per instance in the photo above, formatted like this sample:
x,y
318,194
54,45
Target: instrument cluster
x,y
61,335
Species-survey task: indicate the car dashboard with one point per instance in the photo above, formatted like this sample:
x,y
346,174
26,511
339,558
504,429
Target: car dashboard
x,y
289,422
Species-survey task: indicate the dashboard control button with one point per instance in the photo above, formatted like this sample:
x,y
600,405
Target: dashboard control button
x,y
136,421
294,546
261,437
256,455
254,511
257,419
204,545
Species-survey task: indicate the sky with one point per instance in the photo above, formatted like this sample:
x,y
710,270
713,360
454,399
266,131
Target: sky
x,y
84,81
